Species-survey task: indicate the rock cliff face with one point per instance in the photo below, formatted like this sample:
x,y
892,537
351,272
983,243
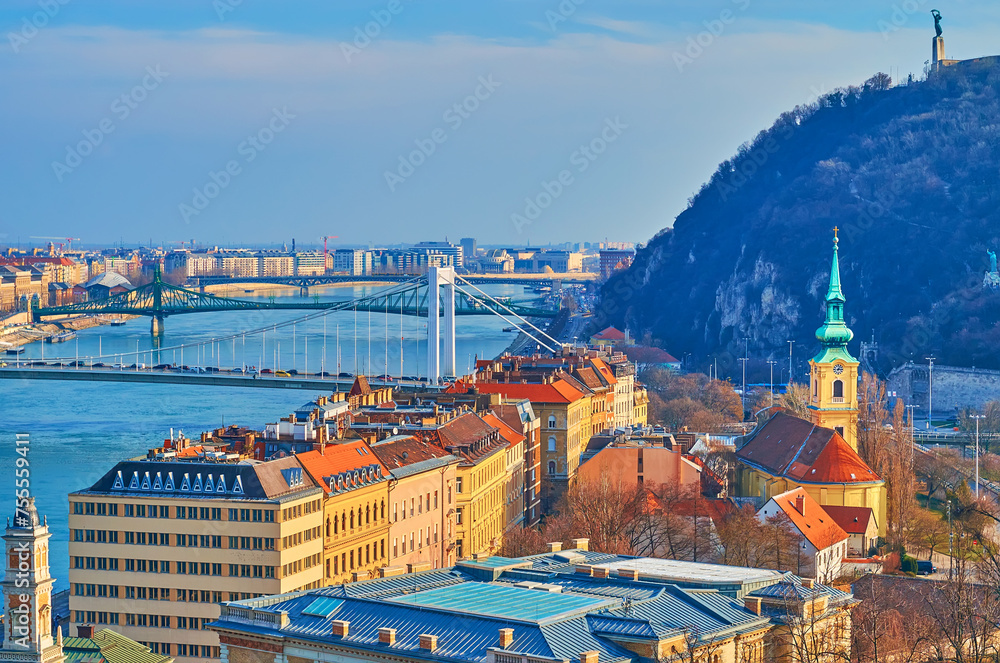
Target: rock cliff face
x,y
909,174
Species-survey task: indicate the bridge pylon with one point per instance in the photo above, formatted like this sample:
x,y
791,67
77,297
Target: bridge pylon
x,y
438,277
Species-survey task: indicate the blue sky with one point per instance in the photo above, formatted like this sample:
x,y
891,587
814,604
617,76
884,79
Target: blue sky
x,y
258,121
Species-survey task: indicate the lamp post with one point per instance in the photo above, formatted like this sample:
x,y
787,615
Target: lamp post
x,y
743,393
790,344
977,417
772,363
951,536
930,389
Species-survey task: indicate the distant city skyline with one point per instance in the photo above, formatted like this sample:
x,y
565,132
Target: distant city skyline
x,y
237,122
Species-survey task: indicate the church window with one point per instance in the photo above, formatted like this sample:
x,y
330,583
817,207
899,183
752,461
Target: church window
x,y
838,388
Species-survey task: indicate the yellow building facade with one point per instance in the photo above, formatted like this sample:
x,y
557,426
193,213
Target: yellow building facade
x,y
355,510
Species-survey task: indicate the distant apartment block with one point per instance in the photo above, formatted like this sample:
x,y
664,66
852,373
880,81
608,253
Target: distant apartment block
x,y
310,263
353,262
612,260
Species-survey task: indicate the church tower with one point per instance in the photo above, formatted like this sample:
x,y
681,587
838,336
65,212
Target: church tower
x,y
27,590
833,375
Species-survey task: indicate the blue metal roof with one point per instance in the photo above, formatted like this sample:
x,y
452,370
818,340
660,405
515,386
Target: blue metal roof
x,y
505,602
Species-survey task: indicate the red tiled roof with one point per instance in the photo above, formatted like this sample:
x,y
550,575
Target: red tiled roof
x,y
464,429
406,451
610,334
536,393
512,436
647,355
815,524
852,519
798,449
337,458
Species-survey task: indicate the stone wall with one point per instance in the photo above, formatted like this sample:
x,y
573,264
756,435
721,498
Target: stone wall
x,y
954,387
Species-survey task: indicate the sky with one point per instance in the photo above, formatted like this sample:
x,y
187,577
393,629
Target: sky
x,y
237,122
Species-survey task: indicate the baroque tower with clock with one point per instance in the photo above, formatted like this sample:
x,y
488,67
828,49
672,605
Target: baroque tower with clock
x,y
27,591
833,373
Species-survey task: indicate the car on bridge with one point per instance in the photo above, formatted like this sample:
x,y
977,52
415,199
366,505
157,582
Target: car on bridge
x,y
266,371
282,374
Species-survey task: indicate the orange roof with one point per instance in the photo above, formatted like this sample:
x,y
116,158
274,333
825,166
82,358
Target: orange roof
x,y
610,334
512,436
605,370
852,519
804,452
360,387
813,522
536,393
337,458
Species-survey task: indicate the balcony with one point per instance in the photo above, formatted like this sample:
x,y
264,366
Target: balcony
x,y
837,399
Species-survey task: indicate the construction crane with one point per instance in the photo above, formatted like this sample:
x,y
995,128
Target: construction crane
x,y
324,238
68,240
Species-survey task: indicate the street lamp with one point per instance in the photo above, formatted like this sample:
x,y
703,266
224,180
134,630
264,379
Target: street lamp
x,y
977,417
772,363
930,389
790,344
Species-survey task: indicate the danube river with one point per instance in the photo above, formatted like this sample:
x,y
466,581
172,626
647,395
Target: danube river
x,y
79,430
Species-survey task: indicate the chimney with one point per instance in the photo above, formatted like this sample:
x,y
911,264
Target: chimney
x,y
428,642
631,574
589,656
808,583
340,628
800,504
85,631
580,544
585,569
387,636
600,572
506,637
752,603
554,546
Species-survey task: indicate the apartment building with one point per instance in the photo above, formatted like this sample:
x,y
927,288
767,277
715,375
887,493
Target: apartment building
x,y
355,509
310,263
155,545
421,502
566,419
513,503
353,262
275,263
238,264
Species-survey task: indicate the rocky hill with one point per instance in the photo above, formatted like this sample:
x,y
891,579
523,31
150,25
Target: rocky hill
x,y
911,176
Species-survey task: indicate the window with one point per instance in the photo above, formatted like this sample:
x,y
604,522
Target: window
x,y
838,388
552,467
552,421
458,516
458,485
552,443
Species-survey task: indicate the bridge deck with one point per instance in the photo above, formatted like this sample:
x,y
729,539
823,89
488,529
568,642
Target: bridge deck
x,y
208,379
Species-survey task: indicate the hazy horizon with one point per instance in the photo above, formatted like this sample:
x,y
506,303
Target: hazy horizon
x,y
125,119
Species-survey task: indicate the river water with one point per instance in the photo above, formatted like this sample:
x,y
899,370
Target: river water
x,y
79,430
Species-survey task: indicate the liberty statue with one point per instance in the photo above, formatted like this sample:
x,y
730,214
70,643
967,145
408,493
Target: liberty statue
x,y
992,278
937,21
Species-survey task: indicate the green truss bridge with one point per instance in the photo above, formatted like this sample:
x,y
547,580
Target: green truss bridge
x,y
158,300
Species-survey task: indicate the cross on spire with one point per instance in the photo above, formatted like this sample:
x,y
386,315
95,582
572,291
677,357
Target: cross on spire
x,y
835,229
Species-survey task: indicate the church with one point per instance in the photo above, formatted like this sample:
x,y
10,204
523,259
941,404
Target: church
x,y
818,454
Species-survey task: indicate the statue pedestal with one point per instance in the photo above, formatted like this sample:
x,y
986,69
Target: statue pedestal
x,y
991,280
937,51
